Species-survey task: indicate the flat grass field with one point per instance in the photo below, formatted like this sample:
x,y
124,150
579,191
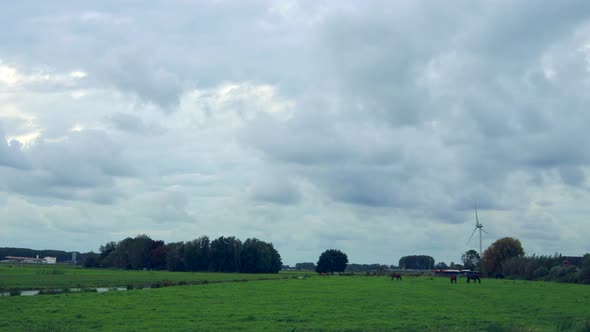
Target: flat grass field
x,y
341,303
15,277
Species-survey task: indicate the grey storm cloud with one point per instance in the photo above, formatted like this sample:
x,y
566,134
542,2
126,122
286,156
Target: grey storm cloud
x,y
132,124
572,176
276,190
132,72
290,119
11,154
472,133
81,167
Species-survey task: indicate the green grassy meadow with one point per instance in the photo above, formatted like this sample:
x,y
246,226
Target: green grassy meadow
x,y
67,276
315,303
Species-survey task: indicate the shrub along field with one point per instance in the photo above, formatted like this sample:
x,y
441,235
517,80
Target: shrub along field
x,y
315,303
17,277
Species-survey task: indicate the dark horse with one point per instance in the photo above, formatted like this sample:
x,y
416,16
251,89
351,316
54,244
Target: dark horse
x,y
396,276
453,279
473,277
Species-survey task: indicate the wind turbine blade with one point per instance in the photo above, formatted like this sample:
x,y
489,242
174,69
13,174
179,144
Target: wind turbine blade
x,y
471,235
484,231
476,218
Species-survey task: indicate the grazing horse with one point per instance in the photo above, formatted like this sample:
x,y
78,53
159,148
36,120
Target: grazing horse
x,y
453,279
473,277
396,276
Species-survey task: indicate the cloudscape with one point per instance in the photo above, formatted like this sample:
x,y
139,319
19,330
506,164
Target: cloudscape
x,y
367,126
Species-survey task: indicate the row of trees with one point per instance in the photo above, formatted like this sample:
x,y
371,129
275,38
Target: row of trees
x,y
548,268
225,254
367,267
333,260
416,262
310,266
506,257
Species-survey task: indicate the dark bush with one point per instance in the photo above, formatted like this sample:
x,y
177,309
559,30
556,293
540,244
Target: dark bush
x,y
540,272
564,274
584,274
557,271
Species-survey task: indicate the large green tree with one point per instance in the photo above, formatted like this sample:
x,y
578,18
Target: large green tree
x,y
119,257
225,254
441,265
158,256
196,254
139,251
470,259
332,260
174,256
417,262
500,251
259,257
90,260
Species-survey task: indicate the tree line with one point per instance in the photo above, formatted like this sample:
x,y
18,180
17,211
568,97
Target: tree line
x,y
224,254
333,260
416,262
353,267
506,258
547,268
367,267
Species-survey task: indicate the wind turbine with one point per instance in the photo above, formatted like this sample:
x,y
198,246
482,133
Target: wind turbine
x,y
480,227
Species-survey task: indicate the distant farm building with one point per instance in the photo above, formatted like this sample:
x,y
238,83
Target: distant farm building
x,y
30,260
451,272
445,272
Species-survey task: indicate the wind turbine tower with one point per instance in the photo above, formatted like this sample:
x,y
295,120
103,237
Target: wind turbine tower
x,y
480,227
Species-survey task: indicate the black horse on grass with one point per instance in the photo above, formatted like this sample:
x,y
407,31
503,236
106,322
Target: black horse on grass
x,y
473,277
397,276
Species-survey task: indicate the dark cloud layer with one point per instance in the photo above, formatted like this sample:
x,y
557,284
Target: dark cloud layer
x,y
289,120
83,166
11,154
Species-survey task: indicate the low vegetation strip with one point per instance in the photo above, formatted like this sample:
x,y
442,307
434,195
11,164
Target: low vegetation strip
x,y
24,277
319,303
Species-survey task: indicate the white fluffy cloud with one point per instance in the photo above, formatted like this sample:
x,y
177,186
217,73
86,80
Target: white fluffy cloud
x,y
368,127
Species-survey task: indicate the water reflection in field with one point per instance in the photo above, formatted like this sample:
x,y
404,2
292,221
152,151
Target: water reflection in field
x,y
32,292
29,292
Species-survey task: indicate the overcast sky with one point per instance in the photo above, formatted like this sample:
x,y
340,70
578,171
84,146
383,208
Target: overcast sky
x,y
366,126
